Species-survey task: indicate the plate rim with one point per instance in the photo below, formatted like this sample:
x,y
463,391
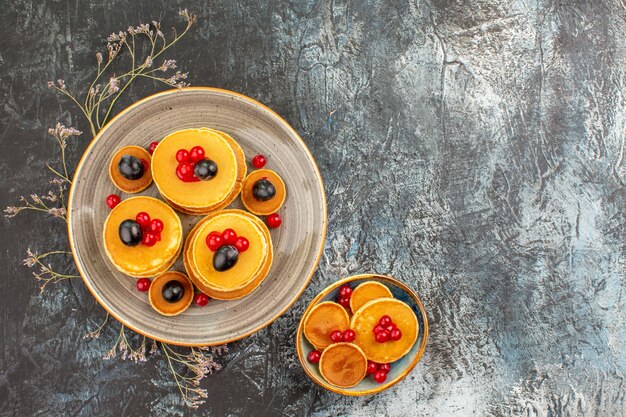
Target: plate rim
x,y
324,293
281,121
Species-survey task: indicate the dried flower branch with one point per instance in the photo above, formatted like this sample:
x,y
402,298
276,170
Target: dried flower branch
x,y
188,369
61,134
45,273
95,334
125,348
199,362
42,203
145,43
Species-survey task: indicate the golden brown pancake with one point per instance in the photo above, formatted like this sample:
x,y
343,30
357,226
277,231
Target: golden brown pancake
x,y
263,208
322,320
123,183
343,364
367,317
163,306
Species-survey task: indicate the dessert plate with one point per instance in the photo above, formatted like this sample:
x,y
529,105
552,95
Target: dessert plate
x,y
400,368
298,242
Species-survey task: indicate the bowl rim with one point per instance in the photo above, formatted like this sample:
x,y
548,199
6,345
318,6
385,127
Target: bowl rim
x,y
324,293
254,103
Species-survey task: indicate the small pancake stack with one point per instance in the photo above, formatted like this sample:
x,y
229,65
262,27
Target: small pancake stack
x,y
252,266
199,197
143,260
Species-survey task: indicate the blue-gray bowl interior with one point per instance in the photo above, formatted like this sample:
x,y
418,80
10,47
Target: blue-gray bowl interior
x,y
398,367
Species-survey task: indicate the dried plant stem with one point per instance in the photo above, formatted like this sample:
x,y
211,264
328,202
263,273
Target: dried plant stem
x,y
95,334
45,273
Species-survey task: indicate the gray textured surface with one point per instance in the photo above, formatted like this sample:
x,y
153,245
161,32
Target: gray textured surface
x,y
473,149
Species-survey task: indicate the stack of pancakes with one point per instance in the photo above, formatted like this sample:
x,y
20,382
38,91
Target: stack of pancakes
x,y
141,260
198,198
252,266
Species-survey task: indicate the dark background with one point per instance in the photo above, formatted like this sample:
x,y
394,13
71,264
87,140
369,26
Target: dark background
x,y
473,149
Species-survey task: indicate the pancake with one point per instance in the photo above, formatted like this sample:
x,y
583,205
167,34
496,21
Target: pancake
x,y
123,183
367,291
322,320
141,260
198,195
343,364
367,317
163,306
263,208
221,294
249,262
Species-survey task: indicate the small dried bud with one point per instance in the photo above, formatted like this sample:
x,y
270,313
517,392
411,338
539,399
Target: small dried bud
x,y
114,85
168,64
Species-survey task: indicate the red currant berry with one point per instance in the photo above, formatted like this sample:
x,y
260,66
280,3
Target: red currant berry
x,y
143,284
182,155
345,291
149,239
378,328
143,219
201,299
214,241
372,367
313,356
380,376
382,336
146,165
181,171
259,161
184,171
385,321
390,328
156,226
274,220
349,335
196,154
385,367
229,237
344,301
113,200
242,244
395,334
336,336
152,147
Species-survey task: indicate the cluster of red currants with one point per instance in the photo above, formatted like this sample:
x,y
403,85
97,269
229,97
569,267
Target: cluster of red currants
x,y
379,370
193,166
386,330
216,240
345,292
151,228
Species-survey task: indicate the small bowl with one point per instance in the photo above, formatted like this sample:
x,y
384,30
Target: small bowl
x,y
399,368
